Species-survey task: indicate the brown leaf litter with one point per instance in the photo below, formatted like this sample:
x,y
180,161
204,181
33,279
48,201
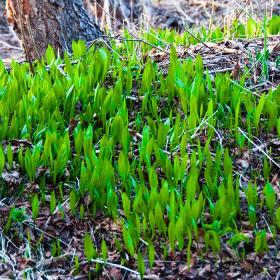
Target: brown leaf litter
x,y
235,57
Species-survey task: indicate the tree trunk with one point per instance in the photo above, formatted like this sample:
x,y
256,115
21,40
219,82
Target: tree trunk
x,y
39,23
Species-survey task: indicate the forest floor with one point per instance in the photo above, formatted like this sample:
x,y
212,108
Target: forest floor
x,y
163,14
228,56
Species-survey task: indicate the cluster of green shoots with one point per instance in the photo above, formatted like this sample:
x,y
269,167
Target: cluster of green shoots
x,y
153,151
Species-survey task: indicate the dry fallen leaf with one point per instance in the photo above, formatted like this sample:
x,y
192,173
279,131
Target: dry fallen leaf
x,y
232,275
204,270
236,71
275,47
11,177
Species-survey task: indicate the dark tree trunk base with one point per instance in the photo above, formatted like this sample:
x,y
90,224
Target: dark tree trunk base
x,y
39,23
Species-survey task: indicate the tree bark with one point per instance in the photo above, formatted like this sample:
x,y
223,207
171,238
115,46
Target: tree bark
x,y
39,23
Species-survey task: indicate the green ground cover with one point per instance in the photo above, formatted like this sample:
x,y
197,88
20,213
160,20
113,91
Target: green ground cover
x,y
162,154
